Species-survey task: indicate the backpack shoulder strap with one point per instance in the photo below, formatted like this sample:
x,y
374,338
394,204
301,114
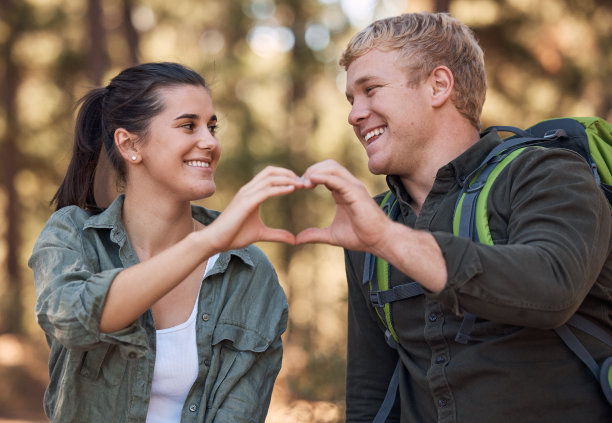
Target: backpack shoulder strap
x,y
376,274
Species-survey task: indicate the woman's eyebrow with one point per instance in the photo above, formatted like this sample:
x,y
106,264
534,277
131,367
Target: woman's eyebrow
x,y
187,116
195,117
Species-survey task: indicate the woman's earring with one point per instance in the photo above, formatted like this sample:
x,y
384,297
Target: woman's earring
x,y
133,158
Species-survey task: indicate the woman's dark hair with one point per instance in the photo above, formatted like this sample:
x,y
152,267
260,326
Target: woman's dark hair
x,y
130,101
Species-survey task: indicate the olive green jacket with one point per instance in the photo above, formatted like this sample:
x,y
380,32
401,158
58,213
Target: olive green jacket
x,y
98,377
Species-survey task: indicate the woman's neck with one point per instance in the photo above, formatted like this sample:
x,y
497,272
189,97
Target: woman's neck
x,y
153,226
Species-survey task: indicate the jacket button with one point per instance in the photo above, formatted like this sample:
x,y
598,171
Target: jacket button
x,y
132,354
207,362
442,402
193,408
205,317
433,317
440,359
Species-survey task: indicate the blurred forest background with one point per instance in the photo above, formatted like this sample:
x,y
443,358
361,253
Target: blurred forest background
x,y
280,95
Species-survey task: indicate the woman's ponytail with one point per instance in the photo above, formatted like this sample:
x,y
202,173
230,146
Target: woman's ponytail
x,y
77,188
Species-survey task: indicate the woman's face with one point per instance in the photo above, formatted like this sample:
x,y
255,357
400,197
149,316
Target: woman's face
x,y
180,152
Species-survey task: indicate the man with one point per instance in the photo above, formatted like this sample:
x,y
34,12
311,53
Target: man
x,y
417,84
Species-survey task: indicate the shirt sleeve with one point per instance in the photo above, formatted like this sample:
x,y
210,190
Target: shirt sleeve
x,y
556,241
71,289
370,361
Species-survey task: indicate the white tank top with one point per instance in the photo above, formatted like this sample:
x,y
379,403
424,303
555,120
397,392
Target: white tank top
x,y
176,366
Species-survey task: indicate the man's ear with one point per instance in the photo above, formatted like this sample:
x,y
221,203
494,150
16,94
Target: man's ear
x,y
126,145
442,83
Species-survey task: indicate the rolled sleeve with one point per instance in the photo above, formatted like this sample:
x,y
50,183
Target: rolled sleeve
x,y
71,288
542,267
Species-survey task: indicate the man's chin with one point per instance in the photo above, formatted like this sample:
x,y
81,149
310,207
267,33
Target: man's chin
x,y
376,168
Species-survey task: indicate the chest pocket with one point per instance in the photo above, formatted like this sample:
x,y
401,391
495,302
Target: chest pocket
x,y
235,350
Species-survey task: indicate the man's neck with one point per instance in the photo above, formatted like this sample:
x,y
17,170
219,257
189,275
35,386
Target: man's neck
x,y
445,147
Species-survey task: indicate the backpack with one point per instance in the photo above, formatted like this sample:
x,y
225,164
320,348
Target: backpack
x,y
590,137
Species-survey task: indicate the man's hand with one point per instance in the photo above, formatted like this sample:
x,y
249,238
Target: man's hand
x,y
359,223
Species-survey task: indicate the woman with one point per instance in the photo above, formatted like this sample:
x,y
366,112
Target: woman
x,y
156,310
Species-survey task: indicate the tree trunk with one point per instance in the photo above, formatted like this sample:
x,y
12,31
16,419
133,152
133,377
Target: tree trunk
x,y
97,49
442,5
131,36
11,162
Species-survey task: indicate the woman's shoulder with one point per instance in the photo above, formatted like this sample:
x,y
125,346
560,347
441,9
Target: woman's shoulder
x,y
67,217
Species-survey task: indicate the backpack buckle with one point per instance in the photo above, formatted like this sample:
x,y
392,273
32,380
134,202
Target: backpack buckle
x,y
376,300
390,339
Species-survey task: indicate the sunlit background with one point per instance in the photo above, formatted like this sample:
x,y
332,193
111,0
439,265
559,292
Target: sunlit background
x,y
279,92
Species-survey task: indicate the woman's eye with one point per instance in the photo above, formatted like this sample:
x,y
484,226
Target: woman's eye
x,y
188,126
213,129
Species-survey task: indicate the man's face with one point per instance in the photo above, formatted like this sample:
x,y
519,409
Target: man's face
x,y
389,116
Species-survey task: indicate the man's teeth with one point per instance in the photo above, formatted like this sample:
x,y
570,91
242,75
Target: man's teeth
x,y
197,163
373,133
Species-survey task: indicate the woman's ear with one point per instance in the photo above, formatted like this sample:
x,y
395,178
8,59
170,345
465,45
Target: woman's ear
x,y
442,83
126,145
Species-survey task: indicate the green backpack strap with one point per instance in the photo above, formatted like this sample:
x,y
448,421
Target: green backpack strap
x,y
470,218
381,283
376,274
599,134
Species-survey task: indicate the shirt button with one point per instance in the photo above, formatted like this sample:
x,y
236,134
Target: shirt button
x,y
442,402
131,354
193,408
205,317
433,317
440,359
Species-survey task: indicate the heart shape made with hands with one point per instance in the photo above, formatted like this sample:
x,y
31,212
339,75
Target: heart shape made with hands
x,y
358,222
299,210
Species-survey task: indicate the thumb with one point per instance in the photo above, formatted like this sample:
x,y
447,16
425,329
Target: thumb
x,y
277,235
311,235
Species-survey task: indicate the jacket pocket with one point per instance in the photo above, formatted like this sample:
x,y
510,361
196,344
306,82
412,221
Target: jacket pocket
x,y
103,363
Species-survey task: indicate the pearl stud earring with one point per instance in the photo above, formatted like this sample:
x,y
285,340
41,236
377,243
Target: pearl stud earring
x,y
133,158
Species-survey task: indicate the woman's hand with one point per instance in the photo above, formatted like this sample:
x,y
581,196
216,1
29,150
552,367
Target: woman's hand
x,y
240,224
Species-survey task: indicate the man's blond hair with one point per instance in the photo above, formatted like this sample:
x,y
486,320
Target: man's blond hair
x,y
427,40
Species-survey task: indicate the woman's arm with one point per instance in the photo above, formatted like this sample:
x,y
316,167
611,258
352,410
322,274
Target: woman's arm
x,y
137,288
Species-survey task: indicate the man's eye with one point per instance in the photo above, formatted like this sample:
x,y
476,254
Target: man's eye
x,y
369,90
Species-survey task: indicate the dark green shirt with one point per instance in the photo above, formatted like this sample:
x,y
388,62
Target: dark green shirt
x,y
552,256
102,378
